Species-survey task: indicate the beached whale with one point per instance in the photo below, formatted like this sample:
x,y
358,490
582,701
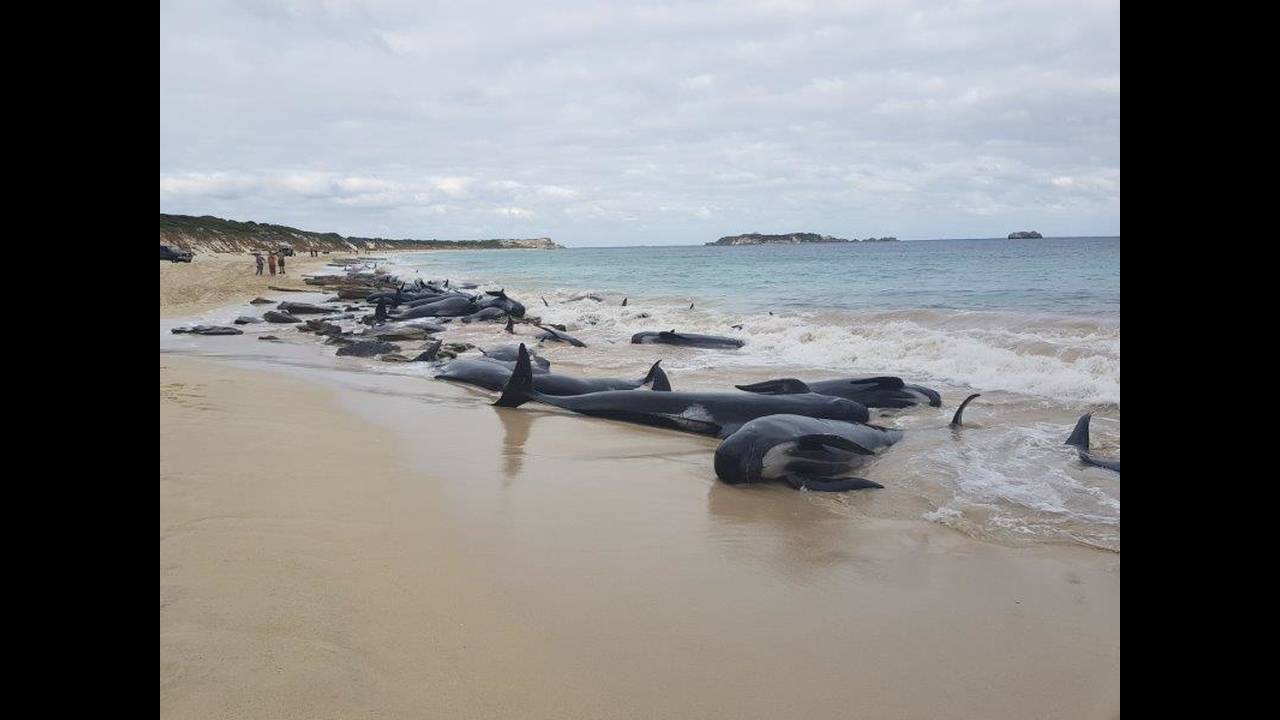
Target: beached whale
x,y
294,308
511,353
452,306
1079,439
557,336
804,452
671,337
494,374
499,299
708,413
875,392
207,330
275,316
420,300
489,313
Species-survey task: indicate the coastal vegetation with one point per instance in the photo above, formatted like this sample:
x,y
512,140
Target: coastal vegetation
x,y
211,234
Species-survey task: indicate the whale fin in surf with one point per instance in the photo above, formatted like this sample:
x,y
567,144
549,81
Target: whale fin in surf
x,y
1080,435
784,386
816,484
957,419
520,384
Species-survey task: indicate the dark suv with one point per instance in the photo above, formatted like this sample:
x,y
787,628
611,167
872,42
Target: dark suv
x,y
173,254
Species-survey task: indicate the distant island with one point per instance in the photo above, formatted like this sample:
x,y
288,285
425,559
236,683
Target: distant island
x,y
215,235
1025,235
789,239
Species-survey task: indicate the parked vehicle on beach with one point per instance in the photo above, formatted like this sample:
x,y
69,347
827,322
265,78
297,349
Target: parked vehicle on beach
x,y
173,254
285,250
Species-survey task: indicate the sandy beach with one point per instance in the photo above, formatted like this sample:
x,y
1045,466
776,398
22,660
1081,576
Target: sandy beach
x,y
213,280
338,543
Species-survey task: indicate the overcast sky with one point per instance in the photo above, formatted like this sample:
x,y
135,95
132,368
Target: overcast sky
x,y
610,123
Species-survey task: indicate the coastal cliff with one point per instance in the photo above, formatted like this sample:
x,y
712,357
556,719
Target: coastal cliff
x,y
789,239
209,234
1025,235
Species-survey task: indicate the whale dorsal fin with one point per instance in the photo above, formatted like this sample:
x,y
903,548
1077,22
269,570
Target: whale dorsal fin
x,y
958,418
657,377
882,382
784,386
1080,435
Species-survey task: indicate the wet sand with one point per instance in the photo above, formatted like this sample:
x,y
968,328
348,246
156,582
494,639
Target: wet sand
x,y
342,543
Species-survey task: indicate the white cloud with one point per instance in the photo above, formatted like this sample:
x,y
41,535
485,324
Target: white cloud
x,y
697,82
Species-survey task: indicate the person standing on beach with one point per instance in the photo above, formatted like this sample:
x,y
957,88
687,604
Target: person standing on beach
x,y
281,263
257,258
271,263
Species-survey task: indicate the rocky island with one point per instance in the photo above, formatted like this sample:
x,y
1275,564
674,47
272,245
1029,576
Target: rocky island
x,y
789,239
214,235
1025,235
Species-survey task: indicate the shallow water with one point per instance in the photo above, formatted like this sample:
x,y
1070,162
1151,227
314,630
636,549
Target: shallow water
x,y
1040,341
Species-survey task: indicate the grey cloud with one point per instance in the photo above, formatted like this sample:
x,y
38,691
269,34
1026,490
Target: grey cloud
x,y
620,123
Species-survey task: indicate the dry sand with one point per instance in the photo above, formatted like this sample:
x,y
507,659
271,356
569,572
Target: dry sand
x,y
213,280
337,543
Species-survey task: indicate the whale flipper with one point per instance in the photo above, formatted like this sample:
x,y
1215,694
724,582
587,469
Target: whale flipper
x,y
784,386
959,416
520,384
808,482
1080,435
883,382
835,441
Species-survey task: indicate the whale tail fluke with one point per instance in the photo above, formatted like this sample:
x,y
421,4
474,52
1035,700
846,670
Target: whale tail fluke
x,y
785,386
958,418
1080,435
520,384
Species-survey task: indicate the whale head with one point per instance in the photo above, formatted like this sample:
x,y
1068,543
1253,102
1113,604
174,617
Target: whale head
x,y
806,453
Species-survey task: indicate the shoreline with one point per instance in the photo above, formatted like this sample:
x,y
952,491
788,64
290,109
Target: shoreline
x,y
311,535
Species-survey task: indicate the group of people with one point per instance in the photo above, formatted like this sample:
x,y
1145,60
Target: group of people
x,y
274,260
271,261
